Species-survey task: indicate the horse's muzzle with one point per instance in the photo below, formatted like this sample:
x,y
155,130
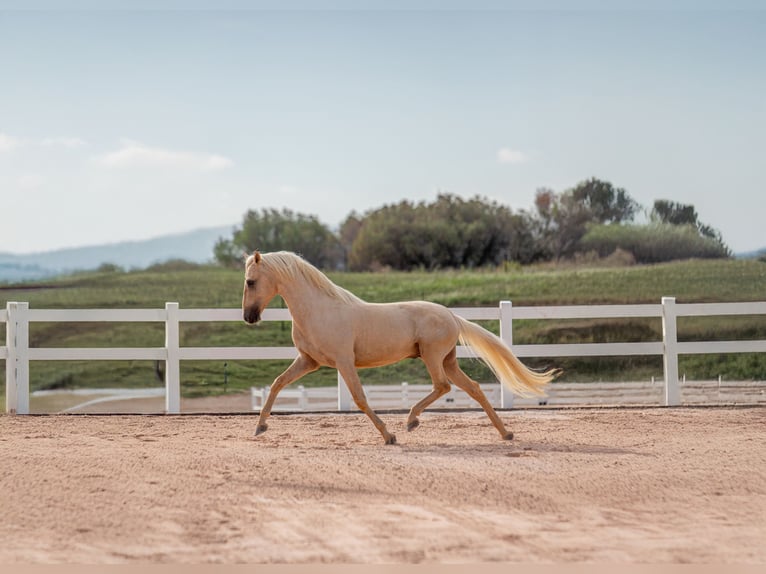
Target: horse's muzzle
x,y
252,315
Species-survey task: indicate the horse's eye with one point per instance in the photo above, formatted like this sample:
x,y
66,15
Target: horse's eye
x,y
250,282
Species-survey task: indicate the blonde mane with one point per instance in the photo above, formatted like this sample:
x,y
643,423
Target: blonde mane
x,y
288,265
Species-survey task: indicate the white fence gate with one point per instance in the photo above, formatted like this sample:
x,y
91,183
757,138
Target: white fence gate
x,y
17,353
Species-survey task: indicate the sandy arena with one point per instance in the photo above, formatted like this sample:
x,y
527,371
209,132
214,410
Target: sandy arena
x,y
645,485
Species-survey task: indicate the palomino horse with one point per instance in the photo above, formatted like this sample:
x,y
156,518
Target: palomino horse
x,y
334,328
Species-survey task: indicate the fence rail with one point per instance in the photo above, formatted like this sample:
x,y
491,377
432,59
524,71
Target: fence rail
x,y
17,353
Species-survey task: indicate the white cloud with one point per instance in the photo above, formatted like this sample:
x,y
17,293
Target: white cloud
x,y
133,154
513,156
7,143
69,143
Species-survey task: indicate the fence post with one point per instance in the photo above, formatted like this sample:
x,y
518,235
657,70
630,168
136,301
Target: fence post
x,y
303,398
17,363
344,395
10,361
172,362
506,334
670,355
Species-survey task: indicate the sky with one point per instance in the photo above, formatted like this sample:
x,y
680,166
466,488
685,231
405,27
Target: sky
x,y
130,120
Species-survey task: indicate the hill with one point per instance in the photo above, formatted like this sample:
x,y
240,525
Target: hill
x,y
753,254
194,246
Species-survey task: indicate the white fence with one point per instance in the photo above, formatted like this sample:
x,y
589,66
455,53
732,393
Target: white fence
x,y
17,352
404,395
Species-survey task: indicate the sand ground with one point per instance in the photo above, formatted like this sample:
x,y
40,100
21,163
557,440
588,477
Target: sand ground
x,y
642,485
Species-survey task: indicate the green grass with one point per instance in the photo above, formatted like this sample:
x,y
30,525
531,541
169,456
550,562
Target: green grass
x,y
212,287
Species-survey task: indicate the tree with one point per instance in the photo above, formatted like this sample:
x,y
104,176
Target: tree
x,y
449,232
561,222
519,233
671,212
273,230
666,211
348,232
562,219
606,203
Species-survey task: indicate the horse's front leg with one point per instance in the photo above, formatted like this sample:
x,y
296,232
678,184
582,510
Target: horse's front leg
x,y
302,365
354,385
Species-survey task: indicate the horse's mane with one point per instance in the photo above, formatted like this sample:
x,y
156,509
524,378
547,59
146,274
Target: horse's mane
x,y
288,265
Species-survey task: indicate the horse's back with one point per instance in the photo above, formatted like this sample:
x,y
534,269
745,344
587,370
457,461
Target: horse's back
x,y
419,316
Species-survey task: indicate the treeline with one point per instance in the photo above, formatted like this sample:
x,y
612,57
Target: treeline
x,y
593,219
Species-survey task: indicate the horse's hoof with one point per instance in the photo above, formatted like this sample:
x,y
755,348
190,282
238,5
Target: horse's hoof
x,y
260,429
508,436
391,440
412,425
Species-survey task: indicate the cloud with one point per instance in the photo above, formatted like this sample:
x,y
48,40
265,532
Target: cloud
x,y
512,156
69,143
8,143
133,154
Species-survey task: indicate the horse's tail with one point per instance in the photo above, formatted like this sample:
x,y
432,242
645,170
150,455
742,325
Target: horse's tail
x,y
507,368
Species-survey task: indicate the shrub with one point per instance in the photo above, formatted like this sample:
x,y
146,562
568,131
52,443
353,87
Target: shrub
x,y
652,243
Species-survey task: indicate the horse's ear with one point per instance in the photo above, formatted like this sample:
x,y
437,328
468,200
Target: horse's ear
x,y
257,257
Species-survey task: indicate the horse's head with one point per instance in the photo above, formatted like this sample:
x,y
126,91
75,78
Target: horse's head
x,y
259,289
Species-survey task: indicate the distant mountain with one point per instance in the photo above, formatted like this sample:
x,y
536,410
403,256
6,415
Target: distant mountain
x,y
15,272
194,246
752,254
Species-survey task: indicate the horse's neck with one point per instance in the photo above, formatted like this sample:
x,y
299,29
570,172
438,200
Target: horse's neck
x,y
305,301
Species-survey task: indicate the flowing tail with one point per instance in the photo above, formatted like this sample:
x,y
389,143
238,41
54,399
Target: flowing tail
x,y
507,368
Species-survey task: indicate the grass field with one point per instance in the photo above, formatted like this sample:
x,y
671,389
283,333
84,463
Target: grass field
x,y
211,287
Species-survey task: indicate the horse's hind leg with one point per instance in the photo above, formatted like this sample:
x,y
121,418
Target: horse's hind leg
x,y
302,365
463,381
354,385
441,387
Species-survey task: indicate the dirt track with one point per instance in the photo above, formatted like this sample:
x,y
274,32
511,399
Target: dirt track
x,y
596,485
